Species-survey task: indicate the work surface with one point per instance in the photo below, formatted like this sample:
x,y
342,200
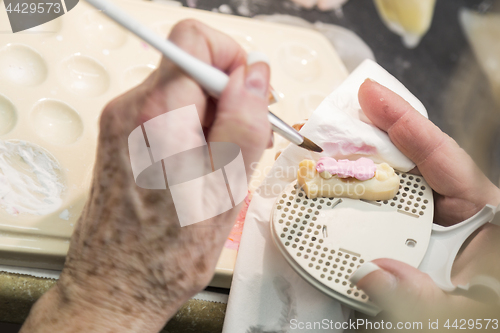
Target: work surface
x,y
442,72
19,292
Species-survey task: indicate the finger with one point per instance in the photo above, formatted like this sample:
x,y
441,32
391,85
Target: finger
x,y
447,168
208,45
398,288
172,88
254,57
241,116
404,292
412,133
270,144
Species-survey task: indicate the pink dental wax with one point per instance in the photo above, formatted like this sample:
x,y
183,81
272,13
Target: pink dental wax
x,y
362,169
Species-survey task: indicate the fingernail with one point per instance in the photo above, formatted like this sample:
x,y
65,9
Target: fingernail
x,y
370,79
378,286
363,271
255,56
273,96
257,78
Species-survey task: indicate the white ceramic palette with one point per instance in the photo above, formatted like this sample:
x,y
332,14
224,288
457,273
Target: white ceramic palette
x,y
56,78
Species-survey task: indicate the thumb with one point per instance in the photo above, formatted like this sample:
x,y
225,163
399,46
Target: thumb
x,y
242,116
448,169
398,288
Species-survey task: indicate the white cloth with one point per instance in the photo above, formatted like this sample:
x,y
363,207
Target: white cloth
x,y
267,295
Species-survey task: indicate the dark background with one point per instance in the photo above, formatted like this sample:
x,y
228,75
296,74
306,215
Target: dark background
x,y
441,71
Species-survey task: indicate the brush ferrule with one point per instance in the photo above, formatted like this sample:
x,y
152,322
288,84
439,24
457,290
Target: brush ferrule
x,y
283,129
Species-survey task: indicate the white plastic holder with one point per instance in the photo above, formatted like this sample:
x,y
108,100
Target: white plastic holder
x,y
444,245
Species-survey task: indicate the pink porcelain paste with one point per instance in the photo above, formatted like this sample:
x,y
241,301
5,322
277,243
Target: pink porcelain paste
x,y
362,169
233,240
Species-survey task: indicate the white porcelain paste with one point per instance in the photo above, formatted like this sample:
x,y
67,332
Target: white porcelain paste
x,y
30,179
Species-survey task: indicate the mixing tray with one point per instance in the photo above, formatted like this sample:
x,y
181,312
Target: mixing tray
x,y
56,78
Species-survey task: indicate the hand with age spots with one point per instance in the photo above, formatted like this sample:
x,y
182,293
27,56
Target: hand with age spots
x,y
130,265
461,190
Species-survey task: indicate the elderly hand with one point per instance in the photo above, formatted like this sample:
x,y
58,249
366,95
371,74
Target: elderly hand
x,y
130,265
461,190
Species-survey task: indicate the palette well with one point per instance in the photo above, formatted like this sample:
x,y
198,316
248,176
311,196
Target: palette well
x,y
55,80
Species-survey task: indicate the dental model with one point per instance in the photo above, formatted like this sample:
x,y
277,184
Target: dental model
x,y
361,179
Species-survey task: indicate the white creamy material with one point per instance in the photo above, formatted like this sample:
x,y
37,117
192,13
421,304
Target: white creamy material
x,y
65,215
341,128
30,179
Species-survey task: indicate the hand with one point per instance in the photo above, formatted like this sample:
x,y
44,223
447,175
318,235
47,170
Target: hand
x,y
130,265
461,190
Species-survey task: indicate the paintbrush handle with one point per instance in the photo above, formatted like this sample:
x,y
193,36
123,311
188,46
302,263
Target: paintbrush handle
x,y
210,78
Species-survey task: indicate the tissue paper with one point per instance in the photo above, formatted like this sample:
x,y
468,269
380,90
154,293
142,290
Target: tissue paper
x,y
341,128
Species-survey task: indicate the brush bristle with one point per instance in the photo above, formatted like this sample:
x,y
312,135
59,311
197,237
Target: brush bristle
x,y
309,145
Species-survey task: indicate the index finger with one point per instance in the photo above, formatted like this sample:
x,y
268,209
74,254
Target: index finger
x,y
208,45
413,134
